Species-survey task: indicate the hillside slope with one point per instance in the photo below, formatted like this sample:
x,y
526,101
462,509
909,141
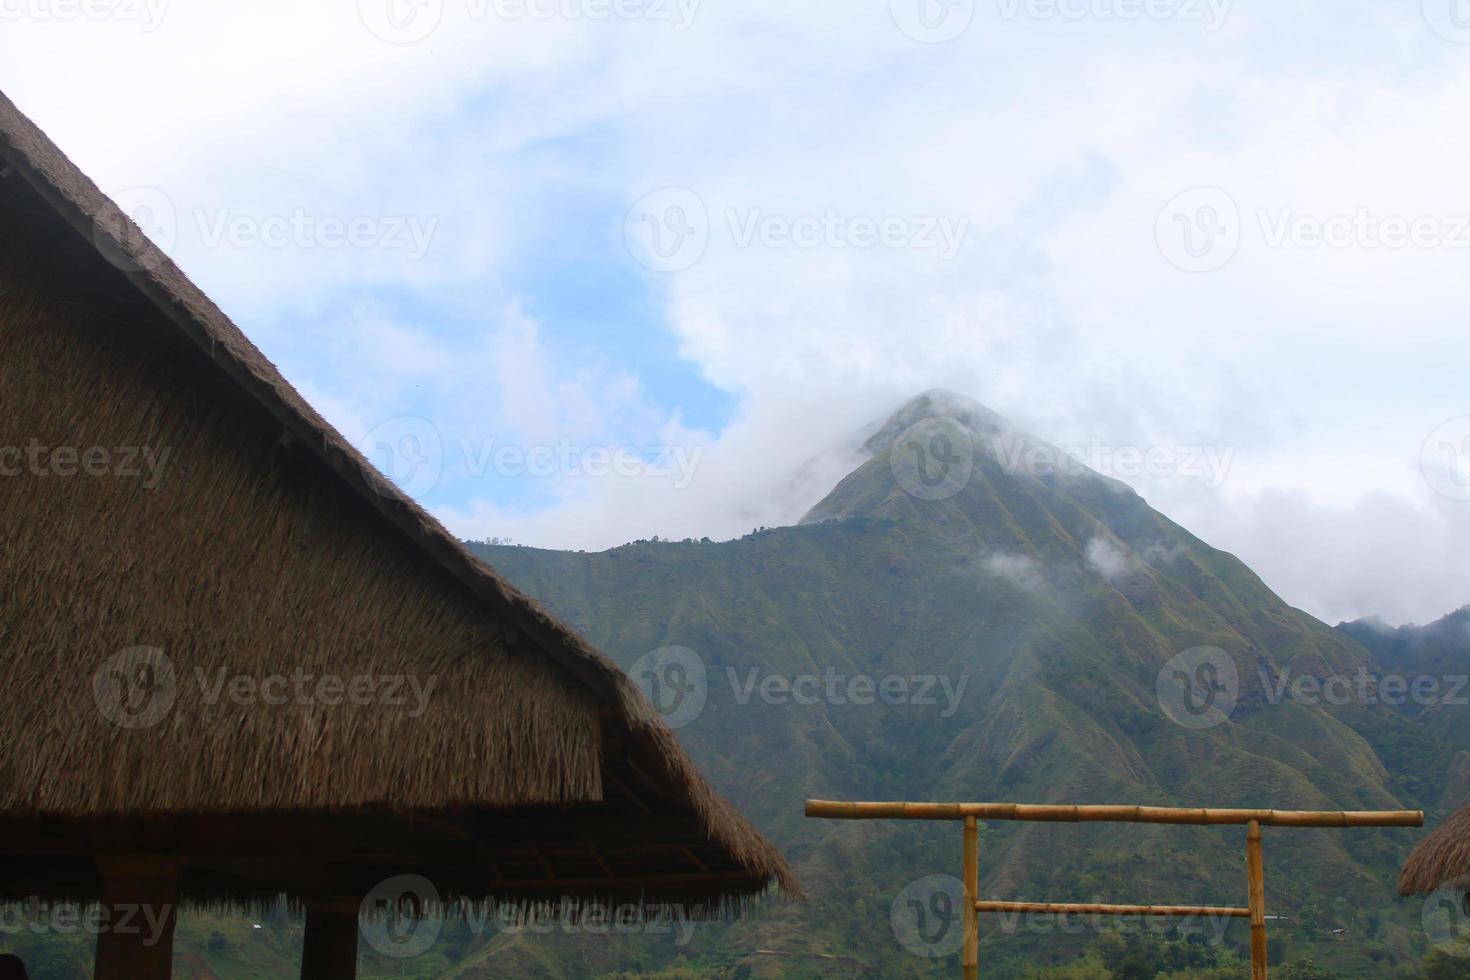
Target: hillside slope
x,y
1027,616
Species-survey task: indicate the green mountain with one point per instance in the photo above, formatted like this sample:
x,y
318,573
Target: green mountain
x,y
1425,675
971,615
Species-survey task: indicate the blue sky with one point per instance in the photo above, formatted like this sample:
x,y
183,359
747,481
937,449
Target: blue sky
x,y
860,200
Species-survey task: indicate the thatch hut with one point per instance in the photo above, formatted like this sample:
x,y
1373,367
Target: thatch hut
x,y
247,666
1441,861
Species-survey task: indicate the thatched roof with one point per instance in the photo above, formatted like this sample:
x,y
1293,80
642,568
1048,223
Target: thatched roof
x,y
1442,860
272,545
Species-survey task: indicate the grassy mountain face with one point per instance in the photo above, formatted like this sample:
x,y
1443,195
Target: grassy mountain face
x,y
1435,660
970,615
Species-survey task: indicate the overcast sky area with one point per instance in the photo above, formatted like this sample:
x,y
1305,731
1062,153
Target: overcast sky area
x,y
495,241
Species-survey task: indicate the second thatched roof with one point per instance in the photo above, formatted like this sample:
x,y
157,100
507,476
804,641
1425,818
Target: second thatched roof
x,y
1442,860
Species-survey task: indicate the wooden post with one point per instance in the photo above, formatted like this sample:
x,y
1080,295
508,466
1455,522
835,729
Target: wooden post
x,y
971,918
1255,864
135,940
330,948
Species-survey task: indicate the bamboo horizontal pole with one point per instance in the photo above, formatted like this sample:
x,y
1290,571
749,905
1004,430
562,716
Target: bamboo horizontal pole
x,y
1066,908
1201,816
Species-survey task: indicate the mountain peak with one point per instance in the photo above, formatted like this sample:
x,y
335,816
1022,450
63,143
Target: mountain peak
x,y
938,403
944,447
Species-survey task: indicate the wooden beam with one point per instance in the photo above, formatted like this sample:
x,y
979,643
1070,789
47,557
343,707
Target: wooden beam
x,y
1070,908
971,919
545,864
1255,863
342,836
610,777
1113,814
687,852
602,862
330,948
135,940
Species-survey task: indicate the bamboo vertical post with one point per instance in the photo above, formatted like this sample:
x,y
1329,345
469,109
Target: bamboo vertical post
x,y
1255,864
971,915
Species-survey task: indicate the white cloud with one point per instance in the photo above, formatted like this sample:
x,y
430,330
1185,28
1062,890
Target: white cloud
x,y
1321,370
1023,571
1107,559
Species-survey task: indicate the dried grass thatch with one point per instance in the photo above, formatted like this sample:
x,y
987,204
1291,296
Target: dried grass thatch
x,y
269,545
1442,860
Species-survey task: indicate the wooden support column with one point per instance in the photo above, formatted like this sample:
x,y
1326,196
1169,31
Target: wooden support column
x,y
139,911
971,917
330,949
1255,864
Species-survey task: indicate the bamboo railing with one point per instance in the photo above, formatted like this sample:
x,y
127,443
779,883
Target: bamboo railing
x,y
1198,816
1252,820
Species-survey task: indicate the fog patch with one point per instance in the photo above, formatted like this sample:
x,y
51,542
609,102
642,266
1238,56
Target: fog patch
x,y
1107,559
1022,571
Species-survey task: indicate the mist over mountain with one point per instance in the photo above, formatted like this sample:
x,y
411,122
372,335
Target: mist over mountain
x,y
972,614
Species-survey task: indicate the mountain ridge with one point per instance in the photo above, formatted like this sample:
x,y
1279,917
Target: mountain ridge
x,y
1064,603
